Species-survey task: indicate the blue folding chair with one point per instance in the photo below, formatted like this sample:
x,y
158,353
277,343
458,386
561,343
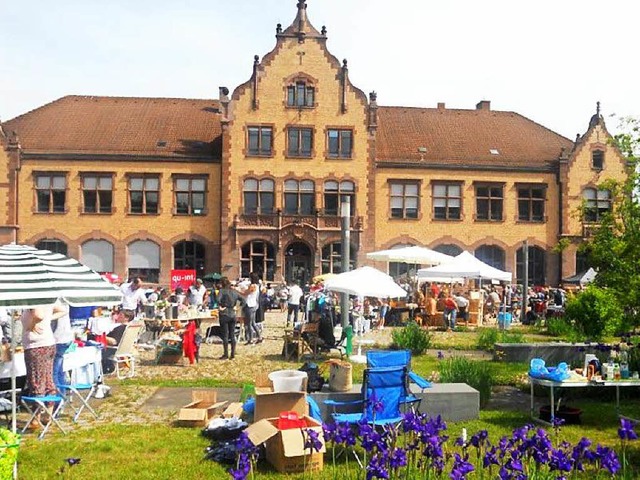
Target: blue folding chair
x,y
399,358
37,406
383,390
74,390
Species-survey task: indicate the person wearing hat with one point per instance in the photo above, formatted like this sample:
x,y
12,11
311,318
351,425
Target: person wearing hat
x,y
197,293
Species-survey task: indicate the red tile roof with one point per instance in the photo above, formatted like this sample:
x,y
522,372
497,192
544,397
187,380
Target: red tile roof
x,y
465,137
158,127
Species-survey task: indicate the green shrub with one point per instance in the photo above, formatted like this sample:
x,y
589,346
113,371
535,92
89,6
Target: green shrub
x,y
474,373
562,328
596,312
411,337
488,338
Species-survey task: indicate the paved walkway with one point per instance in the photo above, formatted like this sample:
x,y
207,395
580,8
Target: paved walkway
x,y
173,398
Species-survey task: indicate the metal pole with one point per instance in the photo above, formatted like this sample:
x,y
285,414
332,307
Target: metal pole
x,y
345,215
525,281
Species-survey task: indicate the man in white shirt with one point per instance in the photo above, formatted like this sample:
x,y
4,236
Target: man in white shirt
x,y
463,306
295,294
197,292
132,296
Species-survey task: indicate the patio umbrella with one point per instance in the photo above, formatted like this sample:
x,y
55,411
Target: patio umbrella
x,y
413,254
465,265
366,282
212,277
32,278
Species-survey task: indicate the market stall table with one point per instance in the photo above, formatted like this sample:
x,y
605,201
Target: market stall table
x,y
84,363
552,385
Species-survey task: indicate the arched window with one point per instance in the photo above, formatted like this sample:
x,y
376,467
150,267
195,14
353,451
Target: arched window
x,y
301,94
188,255
97,255
449,249
258,257
597,204
334,192
537,265
332,258
258,196
52,244
299,197
143,260
491,255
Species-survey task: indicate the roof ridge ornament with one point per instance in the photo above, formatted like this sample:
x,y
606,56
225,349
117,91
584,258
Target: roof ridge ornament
x,y
301,27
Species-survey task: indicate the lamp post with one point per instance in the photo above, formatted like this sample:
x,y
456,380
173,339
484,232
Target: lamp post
x,y
345,216
525,281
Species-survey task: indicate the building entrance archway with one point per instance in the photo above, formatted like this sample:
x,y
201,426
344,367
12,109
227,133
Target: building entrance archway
x,y
298,263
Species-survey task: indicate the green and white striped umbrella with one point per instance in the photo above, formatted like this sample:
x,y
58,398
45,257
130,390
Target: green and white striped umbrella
x,y
30,277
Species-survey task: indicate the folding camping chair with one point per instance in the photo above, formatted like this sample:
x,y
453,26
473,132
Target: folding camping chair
x,y
399,358
383,391
37,406
123,356
75,391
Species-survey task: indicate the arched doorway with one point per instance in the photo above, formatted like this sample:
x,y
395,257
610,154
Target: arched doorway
x,y
298,263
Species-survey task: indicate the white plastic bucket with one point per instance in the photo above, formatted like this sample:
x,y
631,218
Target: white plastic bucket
x,y
288,380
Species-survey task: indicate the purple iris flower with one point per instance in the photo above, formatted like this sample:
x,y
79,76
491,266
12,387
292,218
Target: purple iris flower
x,y
461,467
490,458
398,458
560,461
243,469
626,430
440,355
312,441
377,468
608,459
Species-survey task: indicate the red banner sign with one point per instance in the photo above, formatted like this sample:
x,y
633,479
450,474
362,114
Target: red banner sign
x,y
182,278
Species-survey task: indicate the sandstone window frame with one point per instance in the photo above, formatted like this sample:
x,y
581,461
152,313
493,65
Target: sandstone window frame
x,y
447,199
336,145
97,193
259,140
50,192
190,191
259,192
333,192
531,198
146,191
404,199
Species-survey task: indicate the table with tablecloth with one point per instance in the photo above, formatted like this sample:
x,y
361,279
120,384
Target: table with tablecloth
x,y
84,364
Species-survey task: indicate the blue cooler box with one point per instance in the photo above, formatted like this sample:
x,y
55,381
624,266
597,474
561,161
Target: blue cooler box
x,y
504,319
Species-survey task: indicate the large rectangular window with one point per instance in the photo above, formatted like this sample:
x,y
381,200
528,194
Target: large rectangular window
x,y
97,193
334,193
405,199
144,194
300,142
597,203
447,201
300,95
489,202
258,196
531,199
259,140
51,193
339,143
299,197
190,196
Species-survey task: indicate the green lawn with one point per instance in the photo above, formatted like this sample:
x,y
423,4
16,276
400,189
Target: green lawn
x,y
167,452
121,450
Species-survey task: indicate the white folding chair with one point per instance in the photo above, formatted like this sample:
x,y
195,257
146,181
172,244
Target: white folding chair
x,y
124,354
75,391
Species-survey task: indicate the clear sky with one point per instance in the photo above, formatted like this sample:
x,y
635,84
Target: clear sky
x,y
549,60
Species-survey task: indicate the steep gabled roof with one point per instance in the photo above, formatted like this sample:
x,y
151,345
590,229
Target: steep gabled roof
x,y
88,125
480,137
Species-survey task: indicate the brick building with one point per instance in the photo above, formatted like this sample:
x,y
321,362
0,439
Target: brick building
x,y
252,181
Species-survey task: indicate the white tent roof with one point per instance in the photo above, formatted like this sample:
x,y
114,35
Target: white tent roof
x,y
467,266
414,254
366,282
582,278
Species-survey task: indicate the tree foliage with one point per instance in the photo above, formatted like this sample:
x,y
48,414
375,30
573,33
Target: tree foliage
x,y
614,249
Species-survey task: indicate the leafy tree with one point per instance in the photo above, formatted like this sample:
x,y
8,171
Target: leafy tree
x,y
614,249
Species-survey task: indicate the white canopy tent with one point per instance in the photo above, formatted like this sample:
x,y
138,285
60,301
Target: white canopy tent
x,y
413,254
365,282
582,278
464,265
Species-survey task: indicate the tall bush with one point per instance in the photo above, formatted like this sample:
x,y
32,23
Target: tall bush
x,y
411,337
473,373
597,312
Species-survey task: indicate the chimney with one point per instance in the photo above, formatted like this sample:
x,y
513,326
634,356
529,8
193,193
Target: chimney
x,y
224,101
440,105
483,105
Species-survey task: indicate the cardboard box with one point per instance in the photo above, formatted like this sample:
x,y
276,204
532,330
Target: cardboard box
x,y
202,409
285,448
269,404
233,410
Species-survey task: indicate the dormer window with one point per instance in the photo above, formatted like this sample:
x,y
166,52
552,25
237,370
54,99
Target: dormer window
x,y
597,159
301,94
